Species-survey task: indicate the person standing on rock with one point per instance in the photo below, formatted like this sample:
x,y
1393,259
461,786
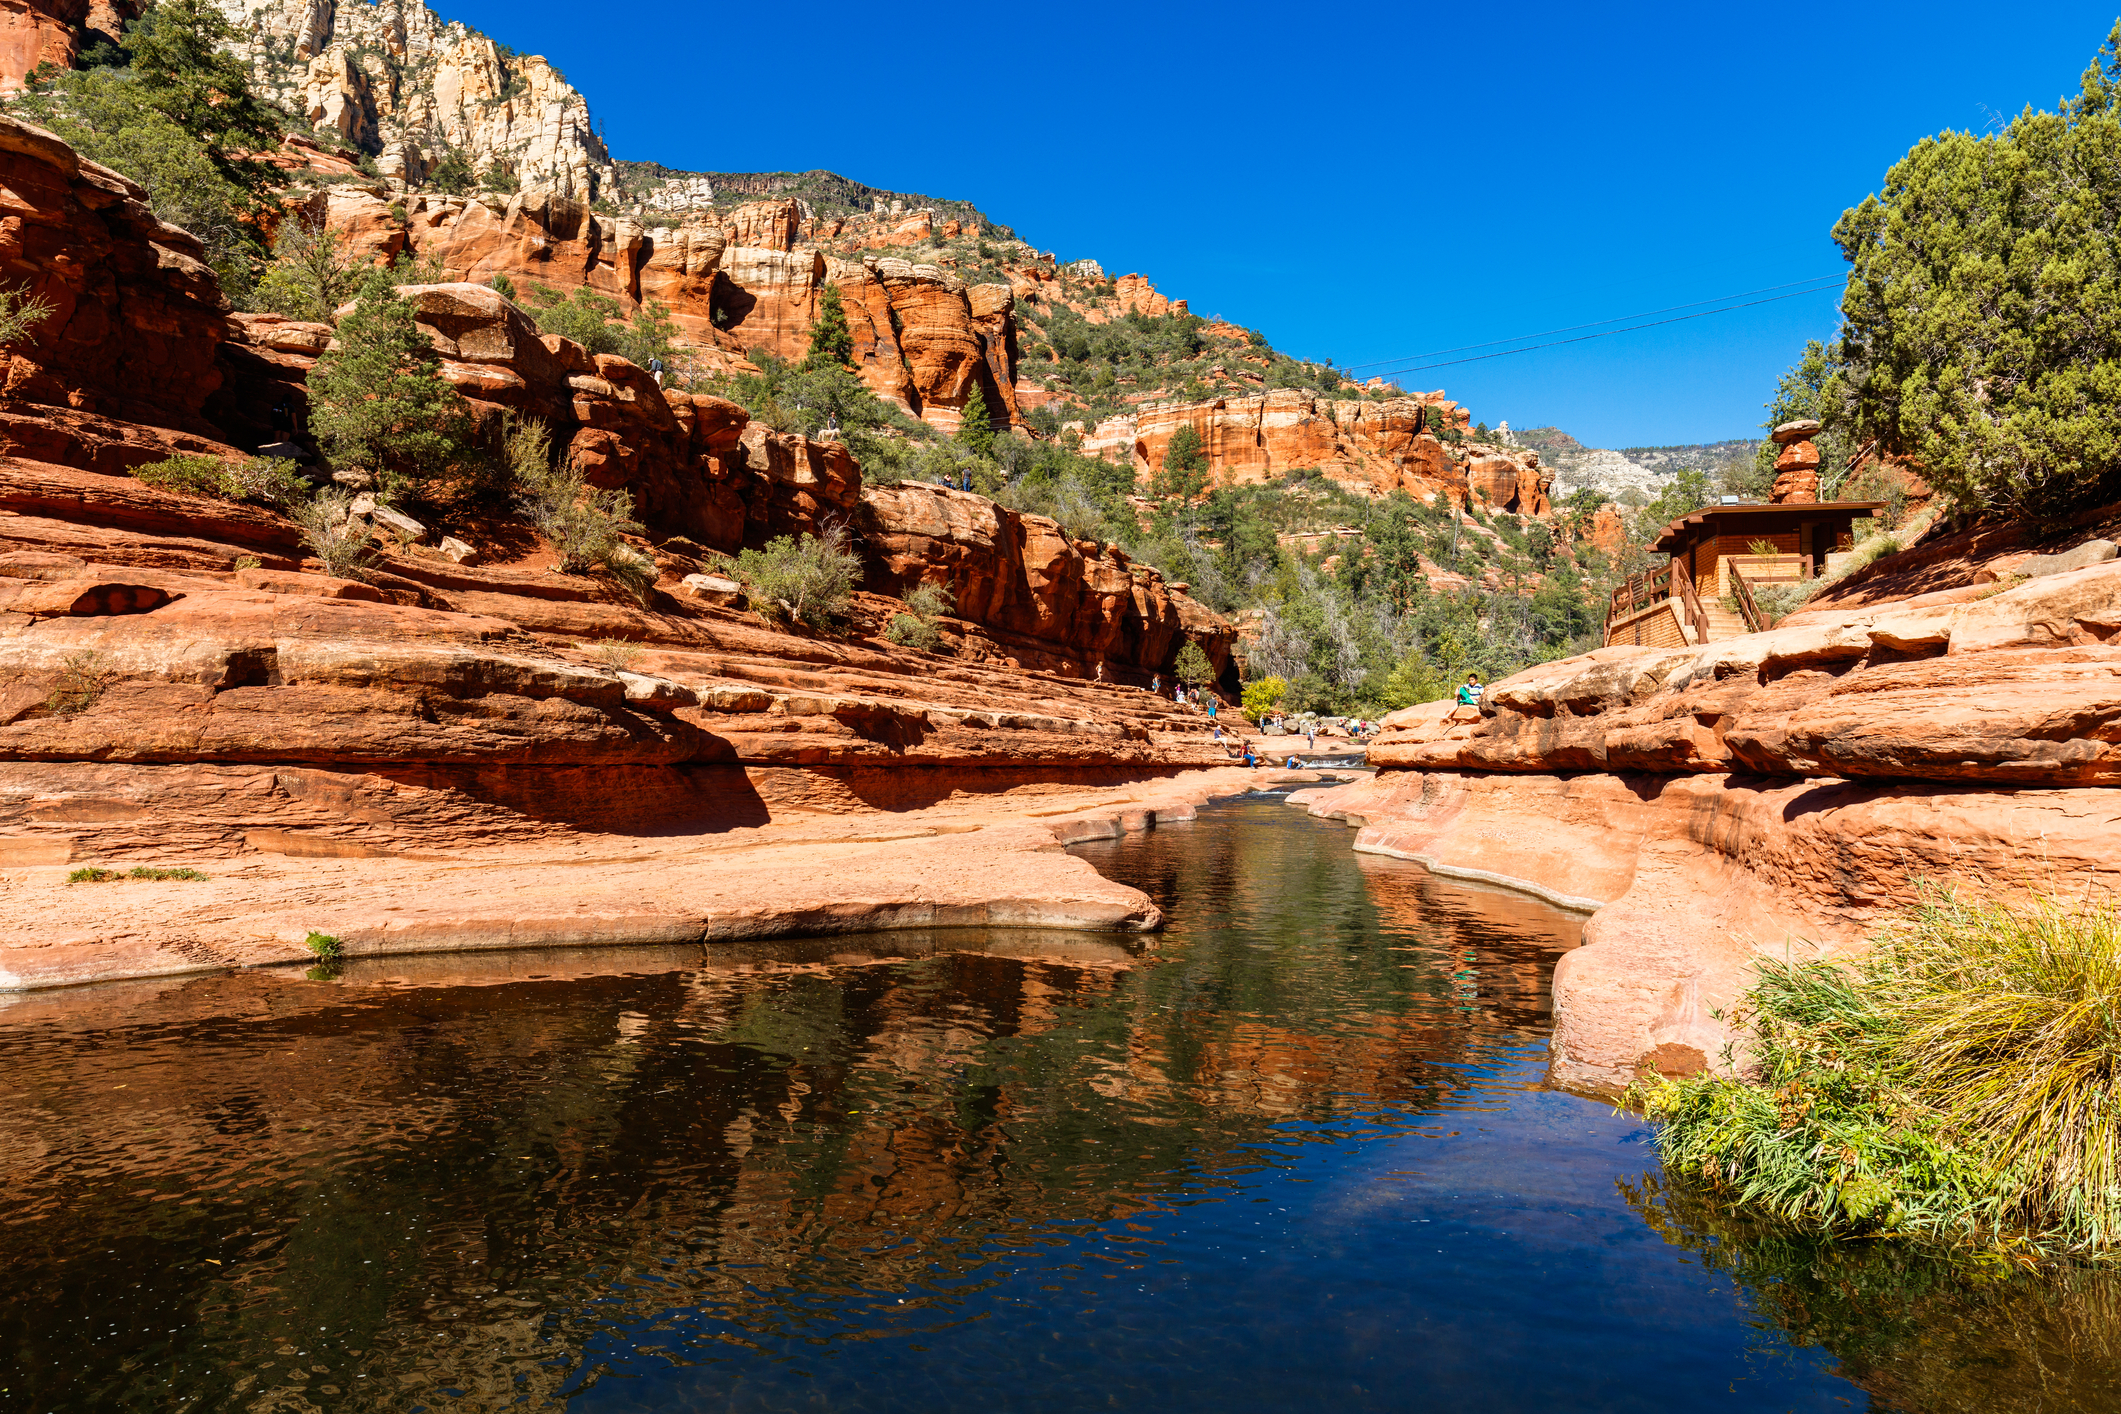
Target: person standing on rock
x,y
655,367
1156,684
1100,670
1469,694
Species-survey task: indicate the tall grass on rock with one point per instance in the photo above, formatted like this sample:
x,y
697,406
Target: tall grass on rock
x,y
1961,1083
587,525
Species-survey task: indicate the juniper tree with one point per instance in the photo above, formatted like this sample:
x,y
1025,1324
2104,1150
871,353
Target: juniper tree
x,y
378,401
1983,333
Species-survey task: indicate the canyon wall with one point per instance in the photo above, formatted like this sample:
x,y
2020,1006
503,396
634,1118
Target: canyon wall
x,y
1382,446
734,283
1947,719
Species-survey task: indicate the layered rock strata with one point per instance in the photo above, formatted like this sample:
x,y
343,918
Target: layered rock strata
x,y
1382,446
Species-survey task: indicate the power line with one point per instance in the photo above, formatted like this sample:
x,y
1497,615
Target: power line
x,y
1585,338
1572,328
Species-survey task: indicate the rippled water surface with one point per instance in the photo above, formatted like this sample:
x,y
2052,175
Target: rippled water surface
x,y
1296,1154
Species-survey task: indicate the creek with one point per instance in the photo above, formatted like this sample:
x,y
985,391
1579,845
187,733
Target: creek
x,y
1294,1150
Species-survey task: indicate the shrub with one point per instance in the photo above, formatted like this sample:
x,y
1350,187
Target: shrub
x,y
930,600
1261,695
600,325
93,876
83,679
615,653
808,580
911,631
503,286
915,628
324,945
335,536
21,312
269,481
1961,1083
454,173
148,871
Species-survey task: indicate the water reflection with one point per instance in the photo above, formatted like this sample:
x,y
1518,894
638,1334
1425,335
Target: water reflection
x,y
1297,1149
1918,1333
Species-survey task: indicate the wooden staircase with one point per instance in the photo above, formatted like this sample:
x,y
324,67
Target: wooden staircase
x,y
1722,622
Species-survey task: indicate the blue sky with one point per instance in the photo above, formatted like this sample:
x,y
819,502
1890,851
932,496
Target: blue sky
x,y
1373,181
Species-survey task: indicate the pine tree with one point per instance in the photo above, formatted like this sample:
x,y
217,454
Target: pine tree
x,y
183,71
378,402
1185,473
1192,666
975,428
831,341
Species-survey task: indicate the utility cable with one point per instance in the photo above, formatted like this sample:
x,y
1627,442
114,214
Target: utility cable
x,y
1584,338
1572,328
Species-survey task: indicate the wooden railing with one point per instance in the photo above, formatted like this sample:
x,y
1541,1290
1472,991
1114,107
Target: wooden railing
x,y
1748,607
1683,587
1639,591
1668,581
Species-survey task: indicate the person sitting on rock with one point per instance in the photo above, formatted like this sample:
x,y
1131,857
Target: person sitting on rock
x,y
1469,694
1251,761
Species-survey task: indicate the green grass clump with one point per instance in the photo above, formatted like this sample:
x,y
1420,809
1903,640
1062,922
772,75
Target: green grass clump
x,y
138,871
1961,1083
324,945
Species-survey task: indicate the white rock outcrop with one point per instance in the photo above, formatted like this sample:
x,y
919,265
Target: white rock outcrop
x,y
399,81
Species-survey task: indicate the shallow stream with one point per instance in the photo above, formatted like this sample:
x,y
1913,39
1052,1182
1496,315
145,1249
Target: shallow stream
x,y
1296,1153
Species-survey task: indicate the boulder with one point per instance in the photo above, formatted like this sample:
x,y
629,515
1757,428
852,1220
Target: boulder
x,y
1802,430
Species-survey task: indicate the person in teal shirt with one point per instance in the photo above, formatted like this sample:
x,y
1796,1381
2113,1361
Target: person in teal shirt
x,y
1469,694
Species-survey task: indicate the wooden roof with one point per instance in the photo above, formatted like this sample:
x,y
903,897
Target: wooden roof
x,y
1676,534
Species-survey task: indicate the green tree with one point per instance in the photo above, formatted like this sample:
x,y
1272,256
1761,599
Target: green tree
x,y
311,274
1983,308
1185,472
1192,667
831,341
454,173
186,71
101,113
975,427
378,402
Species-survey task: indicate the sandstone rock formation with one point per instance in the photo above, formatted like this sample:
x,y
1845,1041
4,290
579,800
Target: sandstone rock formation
x,y
135,313
1775,793
54,32
1380,445
398,81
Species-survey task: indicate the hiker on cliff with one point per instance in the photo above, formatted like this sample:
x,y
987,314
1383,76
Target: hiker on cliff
x,y
1469,694
1156,684
1100,670
655,367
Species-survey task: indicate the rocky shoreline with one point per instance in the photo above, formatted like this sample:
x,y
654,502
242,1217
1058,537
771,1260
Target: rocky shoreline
x,y
1949,718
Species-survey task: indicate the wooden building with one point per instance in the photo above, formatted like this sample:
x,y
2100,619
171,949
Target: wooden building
x,y
1717,554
